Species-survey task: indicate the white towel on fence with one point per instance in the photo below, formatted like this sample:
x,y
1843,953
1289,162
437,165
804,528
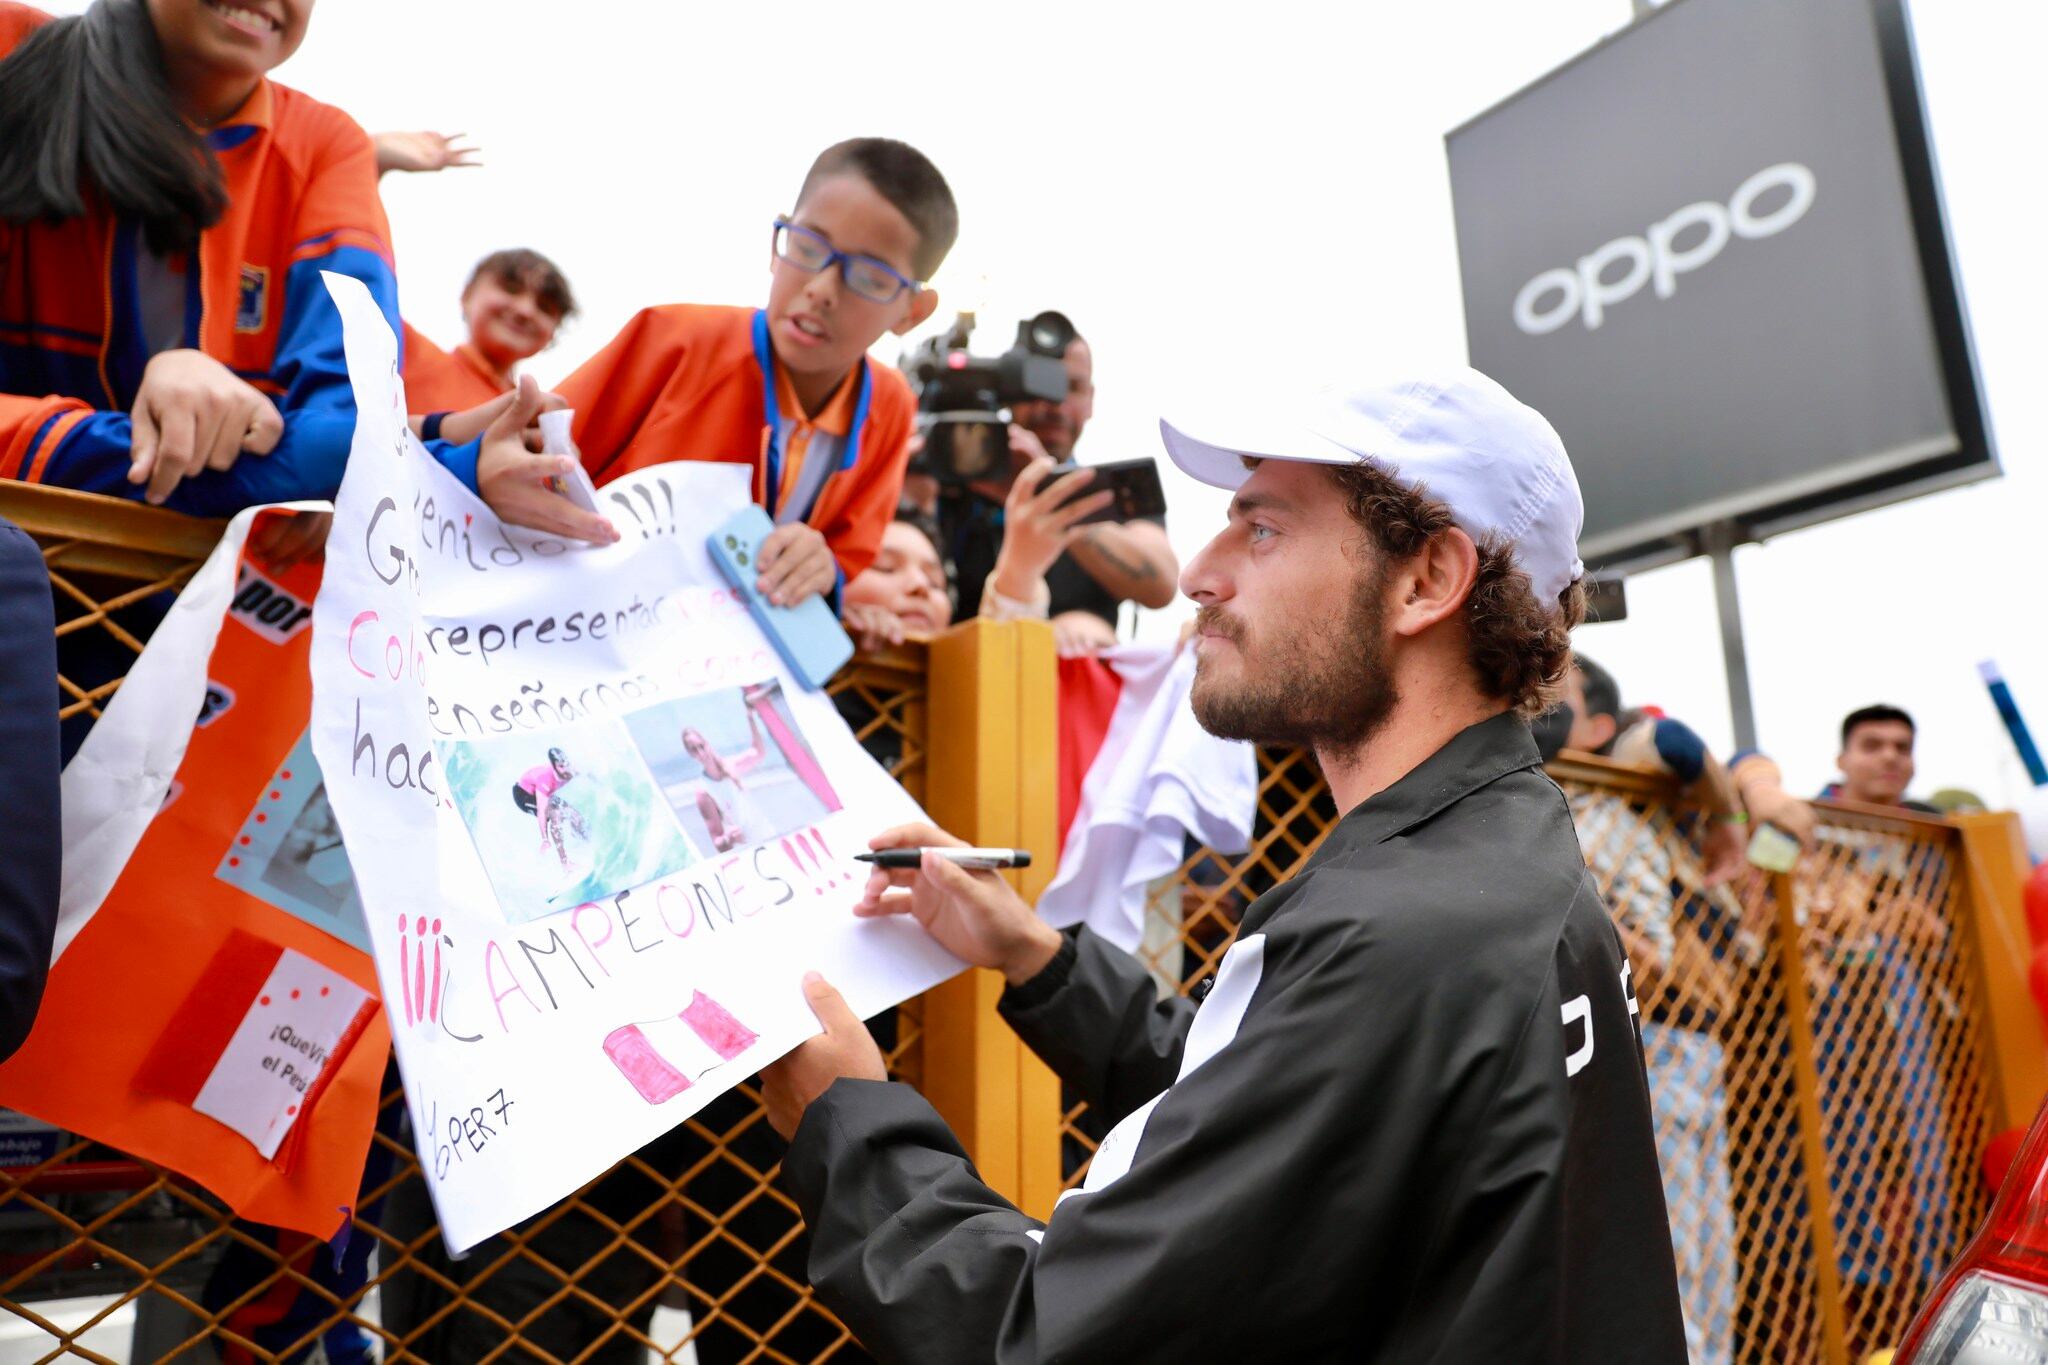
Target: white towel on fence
x,y
1158,778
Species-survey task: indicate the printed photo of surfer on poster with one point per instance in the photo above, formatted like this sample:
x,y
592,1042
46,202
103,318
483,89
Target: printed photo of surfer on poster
x,y
563,814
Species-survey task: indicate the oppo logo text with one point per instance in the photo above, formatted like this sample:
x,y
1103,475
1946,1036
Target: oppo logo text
x,y
1764,205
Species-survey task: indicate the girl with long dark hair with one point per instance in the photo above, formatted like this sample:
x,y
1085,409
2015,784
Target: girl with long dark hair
x,y
166,211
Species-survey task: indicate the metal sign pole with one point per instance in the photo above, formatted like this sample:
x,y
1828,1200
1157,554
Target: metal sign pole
x,y
1719,541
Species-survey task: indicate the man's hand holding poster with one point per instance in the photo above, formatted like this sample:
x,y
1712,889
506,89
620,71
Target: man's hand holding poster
x,y
597,831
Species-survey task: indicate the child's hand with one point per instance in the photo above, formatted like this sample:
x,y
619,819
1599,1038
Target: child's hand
x,y
872,627
508,475
193,414
795,563
460,428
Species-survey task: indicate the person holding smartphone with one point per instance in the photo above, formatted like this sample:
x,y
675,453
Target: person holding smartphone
x,y
1027,551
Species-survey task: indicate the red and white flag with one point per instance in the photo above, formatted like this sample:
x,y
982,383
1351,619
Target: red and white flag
x,y
1138,777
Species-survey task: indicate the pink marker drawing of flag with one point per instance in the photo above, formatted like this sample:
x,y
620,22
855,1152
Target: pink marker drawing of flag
x,y
661,1058
722,1033
647,1070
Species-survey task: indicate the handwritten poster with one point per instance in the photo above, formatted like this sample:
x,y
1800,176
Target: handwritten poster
x,y
598,831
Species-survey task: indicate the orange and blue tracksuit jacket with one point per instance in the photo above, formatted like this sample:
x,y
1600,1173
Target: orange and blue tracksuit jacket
x,y
692,381
302,198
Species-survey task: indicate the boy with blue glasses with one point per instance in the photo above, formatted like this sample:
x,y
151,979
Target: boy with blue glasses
x,y
787,389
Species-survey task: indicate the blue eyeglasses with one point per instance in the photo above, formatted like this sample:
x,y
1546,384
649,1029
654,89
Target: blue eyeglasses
x,y
875,281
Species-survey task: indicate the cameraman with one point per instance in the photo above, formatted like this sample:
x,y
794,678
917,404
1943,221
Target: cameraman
x,y
1015,547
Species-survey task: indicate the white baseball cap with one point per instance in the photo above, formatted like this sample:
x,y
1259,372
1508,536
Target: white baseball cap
x,y
1457,436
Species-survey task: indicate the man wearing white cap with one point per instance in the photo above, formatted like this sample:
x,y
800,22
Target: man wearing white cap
x,y
1409,1121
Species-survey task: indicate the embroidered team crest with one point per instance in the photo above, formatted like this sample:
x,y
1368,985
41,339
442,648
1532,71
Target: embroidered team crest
x,y
253,300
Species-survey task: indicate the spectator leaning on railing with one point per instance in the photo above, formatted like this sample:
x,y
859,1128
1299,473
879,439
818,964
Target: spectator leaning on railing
x,y
1874,943
1677,943
787,390
1879,937
1876,759
166,212
903,593
1016,549
1600,726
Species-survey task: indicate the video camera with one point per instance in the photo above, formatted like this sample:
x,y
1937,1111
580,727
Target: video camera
x,y
962,399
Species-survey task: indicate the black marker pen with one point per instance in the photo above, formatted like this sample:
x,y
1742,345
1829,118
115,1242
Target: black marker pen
x,y
981,859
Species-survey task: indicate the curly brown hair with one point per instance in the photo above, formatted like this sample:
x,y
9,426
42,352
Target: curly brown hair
x,y
1519,647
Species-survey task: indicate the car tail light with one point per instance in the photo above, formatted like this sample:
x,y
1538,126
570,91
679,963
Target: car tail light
x,y
1992,1306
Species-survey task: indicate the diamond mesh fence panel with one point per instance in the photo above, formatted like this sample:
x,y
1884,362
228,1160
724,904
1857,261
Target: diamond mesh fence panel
x,y
684,1251
1888,1020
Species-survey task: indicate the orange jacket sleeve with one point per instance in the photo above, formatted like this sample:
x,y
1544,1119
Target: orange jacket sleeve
x,y
614,391
30,428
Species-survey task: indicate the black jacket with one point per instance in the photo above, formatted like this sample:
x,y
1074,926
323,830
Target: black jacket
x,y
30,835
1409,1123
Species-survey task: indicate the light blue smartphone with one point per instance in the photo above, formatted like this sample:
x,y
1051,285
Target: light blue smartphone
x,y
807,635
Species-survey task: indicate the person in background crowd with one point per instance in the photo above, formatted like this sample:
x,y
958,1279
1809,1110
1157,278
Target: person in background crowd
x,y
1412,1108
515,302
30,838
1876,952
166,213
1762,788
1016,550
903,593
1678,947
1601,726
787,390
424,152
1876,760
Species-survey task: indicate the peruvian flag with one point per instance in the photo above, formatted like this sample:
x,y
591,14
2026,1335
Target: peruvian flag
x,y
1138,778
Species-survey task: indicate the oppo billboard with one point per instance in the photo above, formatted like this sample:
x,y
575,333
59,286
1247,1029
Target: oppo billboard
x,y
1711,251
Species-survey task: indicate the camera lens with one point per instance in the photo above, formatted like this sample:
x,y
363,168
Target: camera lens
x,y
1050,333
732,542
743,559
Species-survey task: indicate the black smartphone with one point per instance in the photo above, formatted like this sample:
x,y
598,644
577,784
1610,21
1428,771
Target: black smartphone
x,y
1135,483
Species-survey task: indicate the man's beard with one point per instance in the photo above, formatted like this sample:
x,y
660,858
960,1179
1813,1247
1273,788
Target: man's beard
x,y
1328,690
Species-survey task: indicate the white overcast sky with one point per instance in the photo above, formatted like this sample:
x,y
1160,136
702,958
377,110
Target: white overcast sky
x,y
1222,195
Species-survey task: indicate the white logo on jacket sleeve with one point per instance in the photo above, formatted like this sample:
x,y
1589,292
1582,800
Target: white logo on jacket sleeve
x,y
1580,1009
1215,1026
